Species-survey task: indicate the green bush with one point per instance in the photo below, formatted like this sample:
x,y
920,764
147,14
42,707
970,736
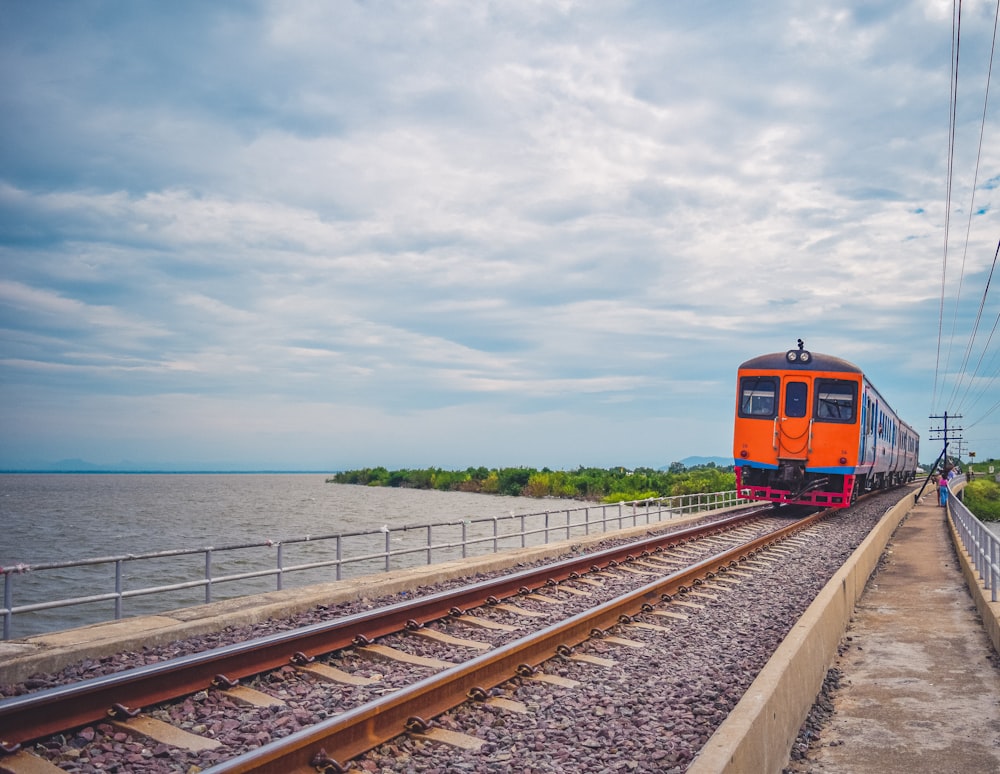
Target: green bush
x,y
609,485
982,497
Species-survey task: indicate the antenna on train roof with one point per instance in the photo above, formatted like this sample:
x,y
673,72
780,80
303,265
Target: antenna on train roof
x,y
800,343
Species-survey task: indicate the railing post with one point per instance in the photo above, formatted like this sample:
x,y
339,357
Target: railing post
x,y
281,565
387,534
994,566
568,520
118,589
465,538
980,548
523,534
430,542
8,603
340,558
496,527
586,519
546,528
208,575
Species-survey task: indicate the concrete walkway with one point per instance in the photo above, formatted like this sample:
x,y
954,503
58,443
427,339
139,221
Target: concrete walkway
x,y
920,690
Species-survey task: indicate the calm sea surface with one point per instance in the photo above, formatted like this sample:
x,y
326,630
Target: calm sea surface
x,y
62,517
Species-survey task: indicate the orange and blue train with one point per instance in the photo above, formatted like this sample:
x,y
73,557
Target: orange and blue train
x,y
812,429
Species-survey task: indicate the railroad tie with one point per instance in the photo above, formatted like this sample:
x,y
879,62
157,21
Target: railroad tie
x,y
685,603
652,565
333,675
392,654
24,762
450,738
713,585
589,582
485,623
638,572
252,698
518,610
434,634
571,590
545,599
669,614
563,682
507,704
624,641
649,627
586,658
164,733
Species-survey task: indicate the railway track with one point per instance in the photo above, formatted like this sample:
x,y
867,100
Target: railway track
x,y
574,601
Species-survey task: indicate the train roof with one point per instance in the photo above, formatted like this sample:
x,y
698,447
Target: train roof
x,y
778,361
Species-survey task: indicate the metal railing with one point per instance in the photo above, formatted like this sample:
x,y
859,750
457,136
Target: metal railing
x,y
981,544
185,577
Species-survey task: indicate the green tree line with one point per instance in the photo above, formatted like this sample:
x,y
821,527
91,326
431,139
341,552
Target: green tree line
x,y
599,484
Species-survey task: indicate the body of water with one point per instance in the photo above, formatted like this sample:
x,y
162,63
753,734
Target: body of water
x,y
56,517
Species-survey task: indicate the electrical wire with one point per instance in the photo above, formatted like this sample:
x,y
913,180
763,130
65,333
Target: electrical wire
x,y
956,29
972,208
986,347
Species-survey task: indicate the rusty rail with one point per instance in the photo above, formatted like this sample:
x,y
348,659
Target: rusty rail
x,y
326,747
53,710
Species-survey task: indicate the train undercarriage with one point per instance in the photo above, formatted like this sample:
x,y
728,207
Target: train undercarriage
x,y
791,482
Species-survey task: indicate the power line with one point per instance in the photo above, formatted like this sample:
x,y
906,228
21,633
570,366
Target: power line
x,y
956,28
972,208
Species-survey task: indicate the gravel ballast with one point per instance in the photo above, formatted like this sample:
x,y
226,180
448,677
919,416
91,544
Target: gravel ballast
x,y
652,711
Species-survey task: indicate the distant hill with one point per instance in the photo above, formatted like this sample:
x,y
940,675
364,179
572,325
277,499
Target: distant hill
x,y
127,466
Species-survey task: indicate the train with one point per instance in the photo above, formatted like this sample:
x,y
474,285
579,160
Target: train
x,y
812,429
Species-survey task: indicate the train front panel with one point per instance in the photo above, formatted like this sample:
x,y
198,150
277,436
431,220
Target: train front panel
x,y
797,428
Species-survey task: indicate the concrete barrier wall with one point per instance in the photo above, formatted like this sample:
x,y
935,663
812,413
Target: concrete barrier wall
x,y
759,733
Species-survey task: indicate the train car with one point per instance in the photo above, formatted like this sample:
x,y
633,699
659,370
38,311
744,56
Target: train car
x,y
812,429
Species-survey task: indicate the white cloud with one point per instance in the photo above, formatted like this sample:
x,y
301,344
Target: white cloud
x,y
567,214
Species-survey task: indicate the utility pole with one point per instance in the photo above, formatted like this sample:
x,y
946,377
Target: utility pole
x,y
948,434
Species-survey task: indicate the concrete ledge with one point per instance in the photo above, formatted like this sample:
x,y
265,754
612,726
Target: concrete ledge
x,y
988,611
47,653
759,733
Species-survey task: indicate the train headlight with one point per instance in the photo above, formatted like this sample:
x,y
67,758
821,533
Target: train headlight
x,y
843,460
792,356
743,453
804,357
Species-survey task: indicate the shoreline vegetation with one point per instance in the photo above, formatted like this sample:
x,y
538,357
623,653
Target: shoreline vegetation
x,y
982,492
607,485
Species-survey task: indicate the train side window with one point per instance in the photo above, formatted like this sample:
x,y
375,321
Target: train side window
x,y
836,401
758,396
796,395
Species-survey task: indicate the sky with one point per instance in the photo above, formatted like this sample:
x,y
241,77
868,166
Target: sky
x,y
325,235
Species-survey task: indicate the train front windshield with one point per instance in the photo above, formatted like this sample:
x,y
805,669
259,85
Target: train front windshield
x,y
758,396
836,400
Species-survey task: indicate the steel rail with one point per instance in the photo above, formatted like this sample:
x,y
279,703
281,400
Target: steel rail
x,y
54,710
327,746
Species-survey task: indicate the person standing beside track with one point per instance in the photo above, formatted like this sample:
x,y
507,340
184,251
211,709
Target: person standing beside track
x,y
943,491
